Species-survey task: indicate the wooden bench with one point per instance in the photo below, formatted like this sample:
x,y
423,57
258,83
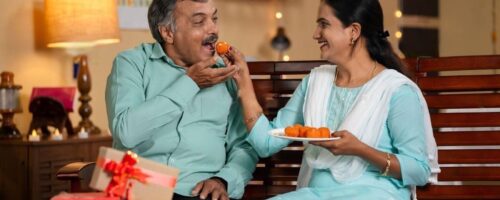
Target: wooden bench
x,y
470,158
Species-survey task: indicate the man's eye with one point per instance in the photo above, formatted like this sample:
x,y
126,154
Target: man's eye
x,y
215,19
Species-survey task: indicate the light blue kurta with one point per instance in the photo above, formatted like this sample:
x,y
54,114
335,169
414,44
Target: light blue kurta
x,y
402,134
157,111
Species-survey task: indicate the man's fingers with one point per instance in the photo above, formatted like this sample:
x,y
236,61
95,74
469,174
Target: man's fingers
x,y
224,77
205,63
224,70
207,189
197,188
216,194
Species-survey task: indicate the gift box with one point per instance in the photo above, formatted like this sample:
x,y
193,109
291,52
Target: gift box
x,y
84,196
125,175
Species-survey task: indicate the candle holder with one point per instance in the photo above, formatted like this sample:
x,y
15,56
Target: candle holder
x,y
9,105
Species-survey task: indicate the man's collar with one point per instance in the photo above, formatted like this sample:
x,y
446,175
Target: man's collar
x,y
157,51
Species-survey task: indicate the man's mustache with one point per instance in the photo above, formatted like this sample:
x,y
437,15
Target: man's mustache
x,y
211,39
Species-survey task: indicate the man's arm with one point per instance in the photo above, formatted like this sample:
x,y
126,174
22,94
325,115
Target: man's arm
x,y
132,118
241,157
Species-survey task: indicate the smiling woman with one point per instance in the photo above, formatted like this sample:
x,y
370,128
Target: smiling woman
x,y
365,99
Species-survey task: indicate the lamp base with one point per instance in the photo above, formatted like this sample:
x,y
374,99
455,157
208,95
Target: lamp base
x,y
9,132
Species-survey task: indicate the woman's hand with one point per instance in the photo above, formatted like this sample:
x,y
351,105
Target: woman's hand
x,y
235,58
347,144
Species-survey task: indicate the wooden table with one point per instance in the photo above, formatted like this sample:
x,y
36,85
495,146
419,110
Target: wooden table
x,y
27,169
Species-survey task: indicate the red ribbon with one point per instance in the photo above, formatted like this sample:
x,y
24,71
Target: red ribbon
x,y
124,171
121,173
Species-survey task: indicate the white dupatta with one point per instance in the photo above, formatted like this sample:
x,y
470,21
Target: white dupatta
x,y
365,121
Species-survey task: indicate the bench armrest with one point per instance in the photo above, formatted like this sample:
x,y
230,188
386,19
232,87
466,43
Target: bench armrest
x,y
77,173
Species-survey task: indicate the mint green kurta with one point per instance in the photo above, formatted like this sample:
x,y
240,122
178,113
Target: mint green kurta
x,y
157,111
402,134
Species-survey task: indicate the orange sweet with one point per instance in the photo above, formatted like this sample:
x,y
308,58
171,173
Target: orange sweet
x,y
222,48
313,133
324,132
303,131
292,131
298,130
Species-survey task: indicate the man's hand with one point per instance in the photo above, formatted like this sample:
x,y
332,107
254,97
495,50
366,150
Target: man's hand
x,y
213,187
205,76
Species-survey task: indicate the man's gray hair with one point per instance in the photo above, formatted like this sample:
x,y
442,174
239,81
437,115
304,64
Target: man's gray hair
x,y
161,13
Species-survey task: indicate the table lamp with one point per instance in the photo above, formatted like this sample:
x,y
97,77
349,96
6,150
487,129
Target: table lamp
x,y
78,25
9,104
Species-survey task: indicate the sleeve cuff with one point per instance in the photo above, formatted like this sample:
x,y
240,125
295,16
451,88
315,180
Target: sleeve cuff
x,y
264,144
233,182
182,91
412,171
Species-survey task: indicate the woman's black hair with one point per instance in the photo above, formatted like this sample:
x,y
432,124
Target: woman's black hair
x,y
368,13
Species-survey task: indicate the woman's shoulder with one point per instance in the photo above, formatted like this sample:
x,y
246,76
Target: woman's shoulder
x,y
406,94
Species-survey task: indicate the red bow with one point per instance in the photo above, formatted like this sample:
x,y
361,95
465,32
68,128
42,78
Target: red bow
x,y
121,174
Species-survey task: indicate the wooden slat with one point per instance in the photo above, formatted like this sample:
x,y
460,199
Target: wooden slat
x,y
469,156
278,102
279,173
458,192
469,174
279,189
262,86
458,63
287,157
259,174
465,119
463,100
467,138
286,86
261,68
297,67
255,192
460,83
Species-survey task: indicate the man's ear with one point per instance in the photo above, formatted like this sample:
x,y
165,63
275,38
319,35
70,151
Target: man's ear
x,y
166,34
356,30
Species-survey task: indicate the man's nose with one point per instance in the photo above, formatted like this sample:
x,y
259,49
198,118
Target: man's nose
x,y
213,28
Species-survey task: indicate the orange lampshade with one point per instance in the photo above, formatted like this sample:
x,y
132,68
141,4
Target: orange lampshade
x,y
81,23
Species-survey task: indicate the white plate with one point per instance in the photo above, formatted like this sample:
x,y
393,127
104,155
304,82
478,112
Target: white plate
x,y
280,133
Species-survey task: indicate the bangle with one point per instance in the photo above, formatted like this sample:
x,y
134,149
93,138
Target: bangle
x,y
386,171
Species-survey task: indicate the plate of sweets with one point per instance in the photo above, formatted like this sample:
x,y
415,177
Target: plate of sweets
x,y
303,133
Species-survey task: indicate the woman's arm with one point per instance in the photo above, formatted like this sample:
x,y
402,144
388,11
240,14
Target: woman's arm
x,y
251,107
255,121
406,128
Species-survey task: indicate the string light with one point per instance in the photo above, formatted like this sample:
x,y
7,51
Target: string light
x,y
399,34
279,15
398,14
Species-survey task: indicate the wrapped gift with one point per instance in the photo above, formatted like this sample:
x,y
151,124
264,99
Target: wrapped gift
x,y
125,175
84,196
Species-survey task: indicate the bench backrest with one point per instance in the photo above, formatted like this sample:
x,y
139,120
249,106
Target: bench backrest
x,y
463,96
461,153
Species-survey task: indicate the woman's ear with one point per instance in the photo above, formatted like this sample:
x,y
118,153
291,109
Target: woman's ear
x,y
356,31
166,34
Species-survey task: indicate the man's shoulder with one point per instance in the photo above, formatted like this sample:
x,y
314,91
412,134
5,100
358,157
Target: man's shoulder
x,y
138,53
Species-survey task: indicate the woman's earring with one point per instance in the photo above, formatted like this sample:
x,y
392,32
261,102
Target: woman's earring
x,y
352,41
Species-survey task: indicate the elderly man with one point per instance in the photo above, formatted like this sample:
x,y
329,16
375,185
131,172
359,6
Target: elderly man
x,y
174,103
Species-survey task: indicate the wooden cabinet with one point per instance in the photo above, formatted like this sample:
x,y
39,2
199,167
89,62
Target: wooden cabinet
x,y
28,169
